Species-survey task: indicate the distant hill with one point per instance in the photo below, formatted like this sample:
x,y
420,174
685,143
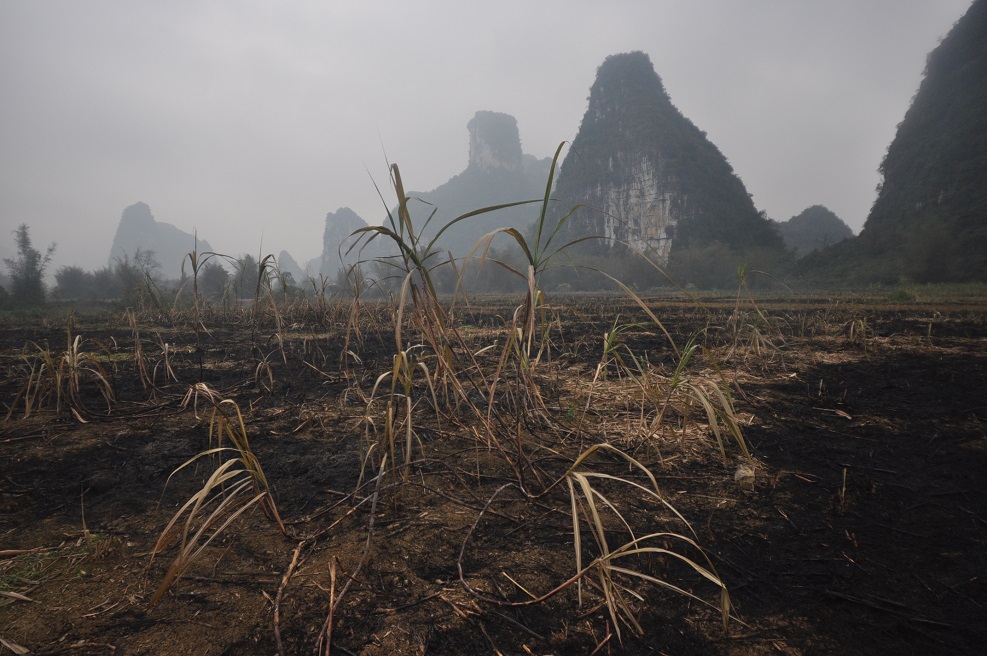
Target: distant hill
x,y
649,177
814,228
139,230
287,264
498,172
929,222
339,226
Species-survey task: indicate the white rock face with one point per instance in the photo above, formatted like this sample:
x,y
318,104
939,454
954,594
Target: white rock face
x,y
643,211
482,155
639,172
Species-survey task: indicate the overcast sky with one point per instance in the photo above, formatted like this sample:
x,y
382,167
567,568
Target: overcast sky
x,y
250,120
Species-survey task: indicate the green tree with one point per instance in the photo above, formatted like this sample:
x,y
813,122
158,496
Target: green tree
x,y
106,284
213,280
27,270
246,273
72,282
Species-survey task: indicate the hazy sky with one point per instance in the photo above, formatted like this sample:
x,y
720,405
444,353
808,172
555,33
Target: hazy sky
x,y
250,120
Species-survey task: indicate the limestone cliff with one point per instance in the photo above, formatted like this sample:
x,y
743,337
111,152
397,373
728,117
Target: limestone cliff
x,y
647,176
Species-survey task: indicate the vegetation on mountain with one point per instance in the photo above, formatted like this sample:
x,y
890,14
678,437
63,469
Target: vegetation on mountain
x,y
929,222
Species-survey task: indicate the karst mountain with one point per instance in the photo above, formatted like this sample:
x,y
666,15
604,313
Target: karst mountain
x,y
644,175
139,230
929,222
498,172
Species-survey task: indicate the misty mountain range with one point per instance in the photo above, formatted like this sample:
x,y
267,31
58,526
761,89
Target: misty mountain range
x,y
646,178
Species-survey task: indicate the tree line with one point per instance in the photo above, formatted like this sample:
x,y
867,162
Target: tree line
x,y
130,279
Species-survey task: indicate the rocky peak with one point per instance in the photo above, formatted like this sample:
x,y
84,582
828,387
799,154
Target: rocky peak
x,y
137,216
139,230
494,141
620,78
652,177
336,240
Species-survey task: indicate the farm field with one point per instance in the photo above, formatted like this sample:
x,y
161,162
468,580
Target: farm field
x,y
576,479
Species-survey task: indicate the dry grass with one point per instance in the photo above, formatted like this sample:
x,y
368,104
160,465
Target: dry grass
x,y
496,389
61,379
590,505
235,486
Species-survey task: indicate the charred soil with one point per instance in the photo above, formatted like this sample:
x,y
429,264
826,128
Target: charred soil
x,y
859,525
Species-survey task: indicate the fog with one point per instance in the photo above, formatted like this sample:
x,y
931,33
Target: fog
x,y
249,121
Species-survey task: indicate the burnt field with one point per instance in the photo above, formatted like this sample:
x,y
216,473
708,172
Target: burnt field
x,y
587,475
